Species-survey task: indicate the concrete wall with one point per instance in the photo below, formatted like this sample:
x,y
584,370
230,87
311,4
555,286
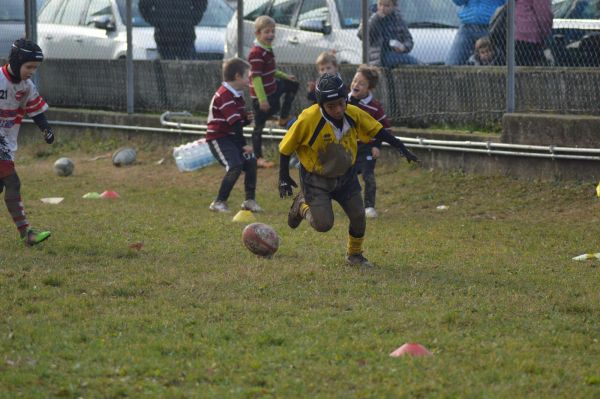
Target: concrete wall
x,y
412,96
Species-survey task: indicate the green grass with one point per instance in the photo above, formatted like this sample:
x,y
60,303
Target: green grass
x,y
487,285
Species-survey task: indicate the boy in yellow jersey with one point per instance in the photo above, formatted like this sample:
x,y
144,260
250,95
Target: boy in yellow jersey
x,y
325,140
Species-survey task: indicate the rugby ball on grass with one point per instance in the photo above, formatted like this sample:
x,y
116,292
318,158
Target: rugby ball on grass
x,y
260,239
124,156
64,167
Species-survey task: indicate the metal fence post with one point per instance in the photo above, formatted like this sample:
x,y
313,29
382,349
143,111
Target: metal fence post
x,y
240,28
31,20
510,57
365,31
129,60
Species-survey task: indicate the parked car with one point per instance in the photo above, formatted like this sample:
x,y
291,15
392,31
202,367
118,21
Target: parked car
x,y
12,23
576,33
305,28
96,29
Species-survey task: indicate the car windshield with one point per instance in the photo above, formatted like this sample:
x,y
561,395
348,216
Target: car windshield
x,y
576,9
417,13
217,14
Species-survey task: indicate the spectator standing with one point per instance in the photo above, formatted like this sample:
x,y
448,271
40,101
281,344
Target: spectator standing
x,y
390,41
533,25
475,17
174,24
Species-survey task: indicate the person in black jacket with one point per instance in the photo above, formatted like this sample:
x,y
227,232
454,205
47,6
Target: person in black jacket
x,y
174,22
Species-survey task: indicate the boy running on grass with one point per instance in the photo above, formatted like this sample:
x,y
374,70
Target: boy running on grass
x,y
325,139
19,96
226,119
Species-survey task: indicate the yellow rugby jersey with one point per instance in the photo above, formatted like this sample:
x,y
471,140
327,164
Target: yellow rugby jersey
x,y
324,149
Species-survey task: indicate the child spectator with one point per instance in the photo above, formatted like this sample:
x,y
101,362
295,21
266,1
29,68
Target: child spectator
x,y
484,54
267,85
390,40
326,63
18,96
224,134
325,139
364,81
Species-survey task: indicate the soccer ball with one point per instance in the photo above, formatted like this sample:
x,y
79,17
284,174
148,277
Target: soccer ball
x,y
64,167
260,239
124,156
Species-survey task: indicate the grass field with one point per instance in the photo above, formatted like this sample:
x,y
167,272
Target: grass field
x,y
487,285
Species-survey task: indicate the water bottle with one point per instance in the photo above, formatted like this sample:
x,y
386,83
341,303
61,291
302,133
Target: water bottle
x,y
193,156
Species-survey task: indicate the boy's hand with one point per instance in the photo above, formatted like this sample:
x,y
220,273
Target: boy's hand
x,y
264,106
375,152
292,78
249,117
311,86
285,186
48,135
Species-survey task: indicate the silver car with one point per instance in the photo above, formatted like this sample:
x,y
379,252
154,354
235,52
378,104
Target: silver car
x,y
12,23
96,29
305,28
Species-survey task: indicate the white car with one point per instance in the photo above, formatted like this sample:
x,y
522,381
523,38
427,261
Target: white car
x,y
305,28
96,29
12,23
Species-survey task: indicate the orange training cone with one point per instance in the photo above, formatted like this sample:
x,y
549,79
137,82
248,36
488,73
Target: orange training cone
x,y
412,349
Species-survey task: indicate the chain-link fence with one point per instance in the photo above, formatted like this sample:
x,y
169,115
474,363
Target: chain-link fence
x,y
441,62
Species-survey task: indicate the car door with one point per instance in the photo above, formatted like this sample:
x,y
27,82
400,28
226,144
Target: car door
x,y
284,13
98,31
57,27
311,32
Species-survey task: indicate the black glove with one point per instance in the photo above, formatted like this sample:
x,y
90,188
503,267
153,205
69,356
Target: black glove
x,y
410,157
285,181
48,135
285,186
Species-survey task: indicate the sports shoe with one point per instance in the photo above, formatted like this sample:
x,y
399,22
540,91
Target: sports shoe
x,y
34,237
370,212
218,206
294,216
263,163
282,122
251,205
359,260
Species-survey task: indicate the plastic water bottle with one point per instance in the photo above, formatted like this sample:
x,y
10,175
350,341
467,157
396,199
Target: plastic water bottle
x,y
192,156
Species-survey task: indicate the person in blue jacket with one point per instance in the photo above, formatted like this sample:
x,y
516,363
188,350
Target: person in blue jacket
x,y
474,18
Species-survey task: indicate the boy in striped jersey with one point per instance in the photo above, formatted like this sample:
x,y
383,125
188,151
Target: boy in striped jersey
x,y
226,119
268,85
364,81
19,96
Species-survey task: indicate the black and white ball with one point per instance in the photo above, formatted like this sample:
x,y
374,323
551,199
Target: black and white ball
x,y
64,167
124,156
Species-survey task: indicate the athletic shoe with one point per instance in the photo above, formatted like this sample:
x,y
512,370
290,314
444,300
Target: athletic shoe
x,y
34,237
251,205
282,122
218,206
294,216
370,212
359,260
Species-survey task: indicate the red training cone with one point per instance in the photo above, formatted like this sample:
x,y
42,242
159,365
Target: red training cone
x,y
110,194
412,349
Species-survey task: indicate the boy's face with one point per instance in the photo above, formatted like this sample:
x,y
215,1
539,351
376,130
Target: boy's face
x,y
327,67
486,55
28,69
335,108
359,88
385,7
241,81
266,35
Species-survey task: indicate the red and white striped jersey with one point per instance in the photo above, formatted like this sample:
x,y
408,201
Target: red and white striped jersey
x,y
262,63
16,100
226,108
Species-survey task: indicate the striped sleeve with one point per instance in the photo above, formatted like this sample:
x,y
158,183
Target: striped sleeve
x,y
229,109
35,104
